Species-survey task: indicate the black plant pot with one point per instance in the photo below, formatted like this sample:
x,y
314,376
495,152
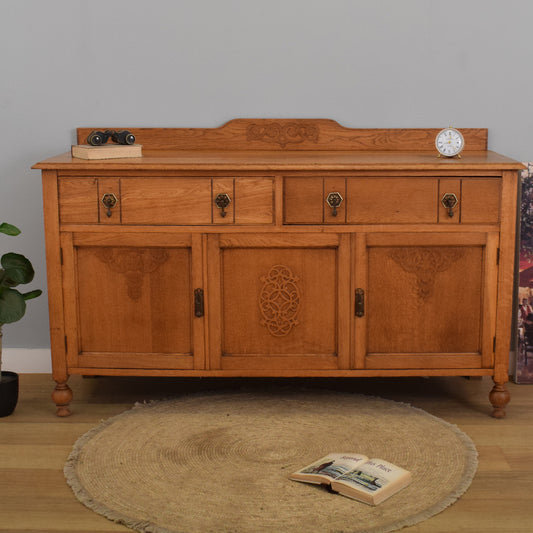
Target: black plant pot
x,y
9,392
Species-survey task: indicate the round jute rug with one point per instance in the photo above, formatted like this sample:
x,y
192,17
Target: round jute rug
x,y
219,463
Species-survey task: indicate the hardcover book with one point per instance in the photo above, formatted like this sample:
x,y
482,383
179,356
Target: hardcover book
x,y
356,476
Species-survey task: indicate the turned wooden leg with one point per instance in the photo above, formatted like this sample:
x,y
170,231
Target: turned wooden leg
x,y
62,396
499,397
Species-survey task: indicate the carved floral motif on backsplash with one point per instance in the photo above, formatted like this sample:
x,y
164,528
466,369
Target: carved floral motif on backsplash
x,y
282,134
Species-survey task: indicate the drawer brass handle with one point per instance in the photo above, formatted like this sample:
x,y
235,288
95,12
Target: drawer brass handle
x,y
109,200
449,201
359,302
222,201
334,200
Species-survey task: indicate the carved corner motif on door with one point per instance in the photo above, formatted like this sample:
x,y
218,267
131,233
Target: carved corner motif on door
x,y
282,134
425,264
133,264
279,301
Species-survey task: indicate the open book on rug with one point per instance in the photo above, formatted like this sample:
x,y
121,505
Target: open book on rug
x,y
356,476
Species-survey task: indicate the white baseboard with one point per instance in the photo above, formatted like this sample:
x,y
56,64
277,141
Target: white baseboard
x,y
27,360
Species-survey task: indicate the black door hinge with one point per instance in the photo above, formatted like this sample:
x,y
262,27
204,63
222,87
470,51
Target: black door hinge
x,y
359,302
198,303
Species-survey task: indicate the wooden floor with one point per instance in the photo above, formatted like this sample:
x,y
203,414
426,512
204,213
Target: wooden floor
x,y
34,444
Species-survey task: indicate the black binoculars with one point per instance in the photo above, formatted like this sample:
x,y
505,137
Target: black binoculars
x,y
97,138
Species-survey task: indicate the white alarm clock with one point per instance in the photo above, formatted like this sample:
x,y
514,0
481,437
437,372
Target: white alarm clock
x,y
449,142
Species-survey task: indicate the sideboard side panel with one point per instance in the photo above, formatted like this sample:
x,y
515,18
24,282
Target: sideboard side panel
x,y
53,272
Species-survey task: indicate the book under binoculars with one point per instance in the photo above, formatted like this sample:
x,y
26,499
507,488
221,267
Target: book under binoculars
x,y
106,151
356,476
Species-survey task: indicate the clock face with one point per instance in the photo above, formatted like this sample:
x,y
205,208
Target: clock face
x,y
449,142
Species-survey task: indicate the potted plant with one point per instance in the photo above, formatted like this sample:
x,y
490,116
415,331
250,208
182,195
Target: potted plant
x,y
15,270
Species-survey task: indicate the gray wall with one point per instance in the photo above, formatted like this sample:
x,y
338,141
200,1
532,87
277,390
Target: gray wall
x,y
199,63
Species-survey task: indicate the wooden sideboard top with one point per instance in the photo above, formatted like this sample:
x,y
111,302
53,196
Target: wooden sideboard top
x,y
290,144
283,161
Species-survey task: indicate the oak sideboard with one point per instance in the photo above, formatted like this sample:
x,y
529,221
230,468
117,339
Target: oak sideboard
x,y
290,248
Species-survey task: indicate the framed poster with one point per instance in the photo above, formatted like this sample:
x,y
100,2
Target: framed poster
x,y
524,317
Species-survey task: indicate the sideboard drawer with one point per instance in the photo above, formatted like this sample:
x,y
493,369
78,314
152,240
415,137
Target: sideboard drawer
x,y
166,201
390,200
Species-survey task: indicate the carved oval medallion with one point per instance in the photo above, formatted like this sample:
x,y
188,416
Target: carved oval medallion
x,y
279,301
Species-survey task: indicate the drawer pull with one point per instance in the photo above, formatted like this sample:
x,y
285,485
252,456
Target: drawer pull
x,y
199,303
109,200
359,302
222,201
449,201
334,200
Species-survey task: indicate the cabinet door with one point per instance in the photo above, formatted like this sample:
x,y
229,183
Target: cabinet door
x,y
279,302
429,300
130,300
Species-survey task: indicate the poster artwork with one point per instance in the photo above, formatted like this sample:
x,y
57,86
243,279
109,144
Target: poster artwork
x,y
524,359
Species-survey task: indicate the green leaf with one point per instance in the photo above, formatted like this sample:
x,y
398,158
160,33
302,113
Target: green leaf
x,y
9,229
12,306
32,294
18,269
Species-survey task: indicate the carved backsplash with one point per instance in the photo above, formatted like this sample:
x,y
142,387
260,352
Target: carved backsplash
x,y
291,134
